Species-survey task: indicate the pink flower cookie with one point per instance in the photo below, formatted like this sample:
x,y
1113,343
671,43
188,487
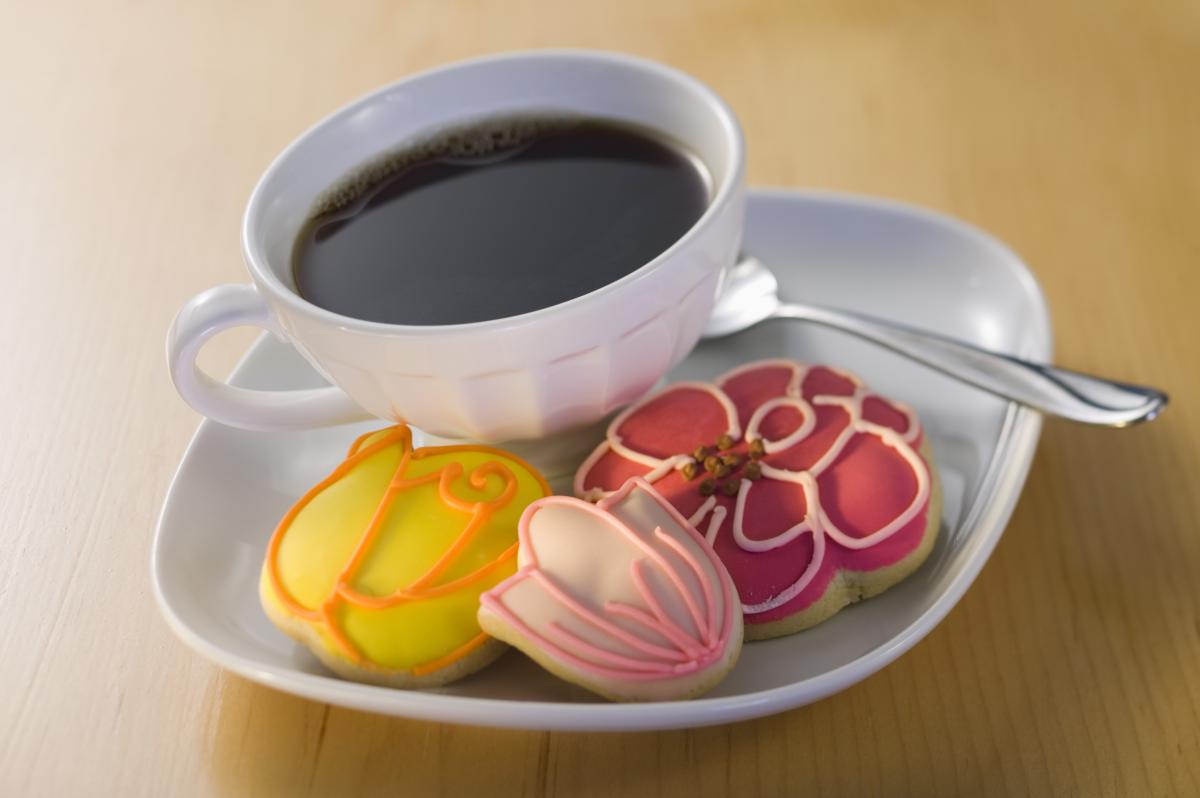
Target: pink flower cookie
x,y
623,598
814,491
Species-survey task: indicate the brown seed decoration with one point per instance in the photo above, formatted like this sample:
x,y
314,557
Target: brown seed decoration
x,y
708,487
724,442
731,460
690,469
722,471
732,487
757,451
753,471
700,453
711,463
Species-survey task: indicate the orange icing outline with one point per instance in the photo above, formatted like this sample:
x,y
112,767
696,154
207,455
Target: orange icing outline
x,y
420,589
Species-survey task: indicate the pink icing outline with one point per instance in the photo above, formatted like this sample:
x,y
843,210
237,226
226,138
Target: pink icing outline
x,y
712,646
612,657
606,626
816,520
710,632
654,622
675,633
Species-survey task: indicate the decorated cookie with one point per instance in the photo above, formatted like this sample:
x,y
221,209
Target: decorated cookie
x,y
378,569
622,597
814,491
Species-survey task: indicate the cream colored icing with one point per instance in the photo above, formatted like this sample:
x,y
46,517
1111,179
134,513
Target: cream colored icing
x,y
625,595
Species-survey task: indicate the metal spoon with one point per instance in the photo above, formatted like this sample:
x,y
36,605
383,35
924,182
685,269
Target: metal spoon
x,y
751,296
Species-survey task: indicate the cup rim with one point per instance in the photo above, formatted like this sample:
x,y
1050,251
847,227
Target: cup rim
x,y
726,189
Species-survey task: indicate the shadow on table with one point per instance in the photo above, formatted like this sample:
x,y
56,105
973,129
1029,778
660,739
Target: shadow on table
x,y
268,743
273,744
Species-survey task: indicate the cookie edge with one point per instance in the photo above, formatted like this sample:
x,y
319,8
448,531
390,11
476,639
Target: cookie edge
x,y
305,633
696,683
850,587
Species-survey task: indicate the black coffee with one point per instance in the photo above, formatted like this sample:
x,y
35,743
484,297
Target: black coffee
x,y
499,219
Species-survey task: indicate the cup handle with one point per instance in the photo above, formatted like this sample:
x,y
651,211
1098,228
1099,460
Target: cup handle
x,y
234,305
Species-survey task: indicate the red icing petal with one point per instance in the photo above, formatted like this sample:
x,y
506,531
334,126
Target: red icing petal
x,y
822,381
831,420
675,421
880,411
772,506
781,422
890,550
760,577
611,471
750,388
867,487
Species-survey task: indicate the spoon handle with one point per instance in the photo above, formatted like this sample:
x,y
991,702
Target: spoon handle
x,y
1054,391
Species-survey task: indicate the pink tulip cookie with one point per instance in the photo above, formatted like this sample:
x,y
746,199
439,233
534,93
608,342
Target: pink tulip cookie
x,y
814,491
622,597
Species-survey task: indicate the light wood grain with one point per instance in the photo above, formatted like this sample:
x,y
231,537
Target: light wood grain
x,y
131,137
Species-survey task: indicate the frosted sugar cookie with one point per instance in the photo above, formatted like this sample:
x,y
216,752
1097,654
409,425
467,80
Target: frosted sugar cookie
x,y
378,568
814,491
622,597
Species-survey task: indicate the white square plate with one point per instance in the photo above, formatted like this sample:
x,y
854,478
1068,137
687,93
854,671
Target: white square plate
x,y
868,255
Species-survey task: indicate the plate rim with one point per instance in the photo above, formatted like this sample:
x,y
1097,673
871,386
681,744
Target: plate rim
x,y
989,511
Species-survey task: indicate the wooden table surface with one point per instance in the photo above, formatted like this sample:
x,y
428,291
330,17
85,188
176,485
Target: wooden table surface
x,y
131,137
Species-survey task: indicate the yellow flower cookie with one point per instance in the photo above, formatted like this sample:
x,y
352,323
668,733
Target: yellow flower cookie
x,y
378,569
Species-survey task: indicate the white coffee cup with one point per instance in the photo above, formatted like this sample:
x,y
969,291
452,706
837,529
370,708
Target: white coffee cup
x,y
520,377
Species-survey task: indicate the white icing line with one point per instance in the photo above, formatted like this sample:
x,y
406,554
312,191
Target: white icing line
x,y
667,466
816,520
702,511
809,486
656,473
659,467
650,461
846,375
914,426
782,474
801,432
590,494
835,451
851,405
714,523
890,438
795,386
799,370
